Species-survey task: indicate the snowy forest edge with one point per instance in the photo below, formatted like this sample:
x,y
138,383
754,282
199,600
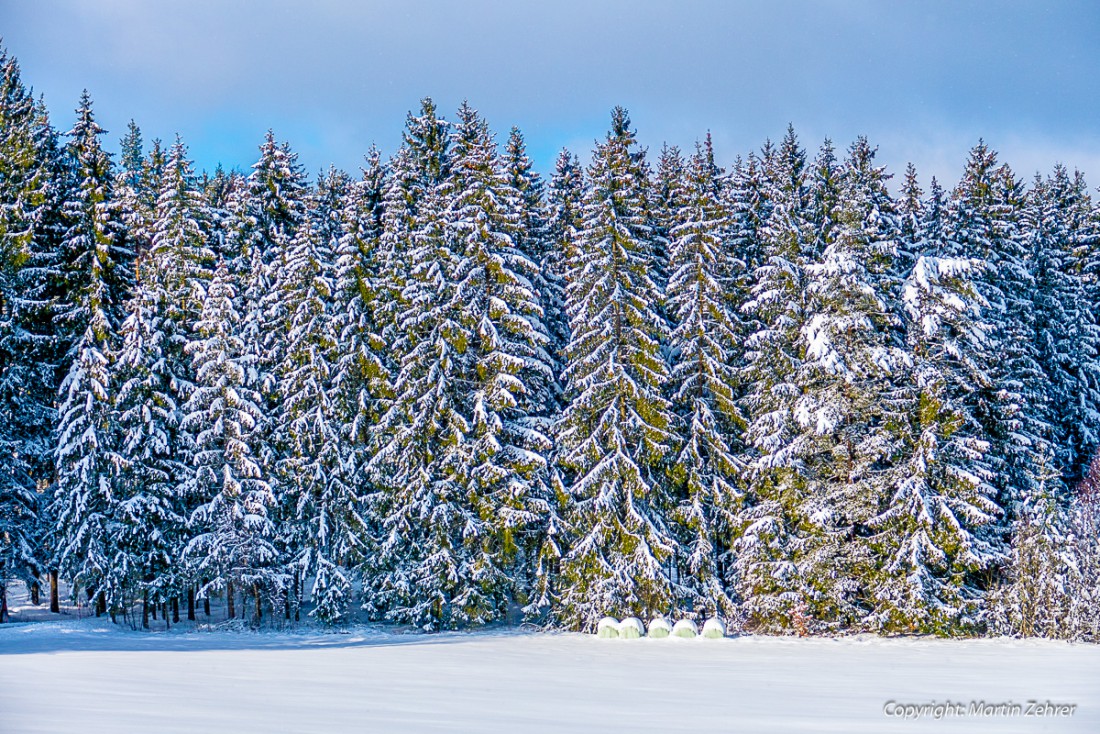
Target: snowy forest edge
x,y
448,389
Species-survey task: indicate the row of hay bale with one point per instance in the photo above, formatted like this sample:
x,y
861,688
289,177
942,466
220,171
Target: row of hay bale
x,y
632,628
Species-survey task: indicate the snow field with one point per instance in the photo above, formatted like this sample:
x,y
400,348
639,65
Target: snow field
x,y
91,677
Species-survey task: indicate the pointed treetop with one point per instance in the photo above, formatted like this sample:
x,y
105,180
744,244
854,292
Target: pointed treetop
x,y
620,123
132,153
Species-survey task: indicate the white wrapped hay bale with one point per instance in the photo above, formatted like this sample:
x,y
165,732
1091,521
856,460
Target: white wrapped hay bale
x,y
685,628
659,628
714,629
607,628
631,628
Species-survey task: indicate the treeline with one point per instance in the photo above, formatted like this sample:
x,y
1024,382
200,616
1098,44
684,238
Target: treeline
x,y
447,388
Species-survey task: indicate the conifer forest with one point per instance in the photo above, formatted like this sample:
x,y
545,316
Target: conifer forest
x,y
787,387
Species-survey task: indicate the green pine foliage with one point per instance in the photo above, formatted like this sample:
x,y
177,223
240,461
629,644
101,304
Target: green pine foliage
x,y
710,468
616,433
97,279
151,381
231,529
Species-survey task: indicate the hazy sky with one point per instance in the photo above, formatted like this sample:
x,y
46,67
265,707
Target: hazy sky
x,y
924,79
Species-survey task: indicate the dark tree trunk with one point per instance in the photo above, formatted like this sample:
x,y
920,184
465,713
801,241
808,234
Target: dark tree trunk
x,y
190,603
154,608
167,622
36,592
55,599
206,605
3,603
297,596
145,610
229,607
259,605
176,609
100,604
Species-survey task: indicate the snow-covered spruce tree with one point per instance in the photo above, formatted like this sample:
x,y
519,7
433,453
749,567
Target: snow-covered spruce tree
x,y
414,287
911,213
131,156
321,523
564,205
151,380
531,239
267,212
222,191
747,199
933,534
981,221
1035,597
564,200
418,428
28,240
667,199
824,183
137,186
615,435
464,466
231,530
1066,330
144,504
361,377
509,368
416,170
850,405
521,176
710,468
97,279
765,571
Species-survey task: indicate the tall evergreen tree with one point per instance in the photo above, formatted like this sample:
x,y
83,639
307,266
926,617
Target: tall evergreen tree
x,y
615,434
152,380
361,377
28,169
564,203
97,278
1066,331
933,535
777,235
710,465
231,529
323,525
982,221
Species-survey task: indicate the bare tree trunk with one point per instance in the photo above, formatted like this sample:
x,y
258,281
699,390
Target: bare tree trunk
x,y
100,604
3,602
206,605
191,603
167,623
55,601
297,596
145,610
259,606
230,609
176,609
36,592
154,608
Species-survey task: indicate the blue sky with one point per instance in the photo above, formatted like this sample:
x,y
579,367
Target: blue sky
x,y
922,79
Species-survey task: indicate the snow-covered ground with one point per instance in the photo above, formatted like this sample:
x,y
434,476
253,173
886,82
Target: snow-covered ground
x,y
89,676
